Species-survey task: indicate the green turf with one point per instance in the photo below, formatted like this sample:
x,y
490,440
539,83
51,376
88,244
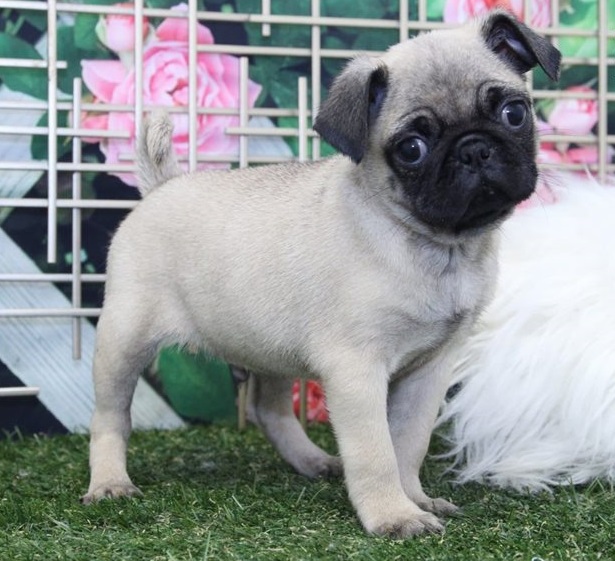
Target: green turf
x,y
214,493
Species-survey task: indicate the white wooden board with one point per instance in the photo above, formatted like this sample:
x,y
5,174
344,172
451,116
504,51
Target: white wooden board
x,y
39,352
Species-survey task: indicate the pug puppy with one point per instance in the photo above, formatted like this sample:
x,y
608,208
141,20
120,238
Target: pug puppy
x,y
364,270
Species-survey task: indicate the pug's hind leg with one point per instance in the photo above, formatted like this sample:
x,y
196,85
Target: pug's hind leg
x,y
271,406
122,353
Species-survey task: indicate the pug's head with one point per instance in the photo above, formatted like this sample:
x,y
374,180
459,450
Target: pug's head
x,y
445,122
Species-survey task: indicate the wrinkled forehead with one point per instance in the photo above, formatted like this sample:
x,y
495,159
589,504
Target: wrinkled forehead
x,y
445,69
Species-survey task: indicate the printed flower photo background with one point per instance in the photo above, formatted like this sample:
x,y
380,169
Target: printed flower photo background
x,y
165,83
101,51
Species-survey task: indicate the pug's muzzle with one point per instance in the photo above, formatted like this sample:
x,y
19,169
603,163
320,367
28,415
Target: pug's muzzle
x,y
490,192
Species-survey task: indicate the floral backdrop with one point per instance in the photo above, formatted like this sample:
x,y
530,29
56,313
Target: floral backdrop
x,y
165,83
101,51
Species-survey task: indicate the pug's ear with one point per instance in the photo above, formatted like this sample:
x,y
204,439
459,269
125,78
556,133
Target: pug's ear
x,y
518,46
353,103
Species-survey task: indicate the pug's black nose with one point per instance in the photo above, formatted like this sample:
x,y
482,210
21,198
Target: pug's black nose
x,y
473,152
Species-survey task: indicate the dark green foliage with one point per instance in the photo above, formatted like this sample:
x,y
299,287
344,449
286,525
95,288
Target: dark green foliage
x,y
40,143
198,387
32,81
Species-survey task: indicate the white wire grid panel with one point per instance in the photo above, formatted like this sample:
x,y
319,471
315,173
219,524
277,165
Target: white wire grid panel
x,y
27,290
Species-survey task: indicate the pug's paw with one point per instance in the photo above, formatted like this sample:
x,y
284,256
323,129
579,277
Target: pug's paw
x,y
111,491
407,525
320,465
439,506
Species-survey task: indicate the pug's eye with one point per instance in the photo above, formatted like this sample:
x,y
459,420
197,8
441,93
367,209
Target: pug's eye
x,y
412,150
514,114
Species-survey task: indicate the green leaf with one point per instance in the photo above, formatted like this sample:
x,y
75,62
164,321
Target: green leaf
x,y
376,40
281,35
85,32
579,14
166,4
333,66
69,52
327,150
375,9
40,144
32,81
161,4
285,90
435,10
102,2
36,18
290,122
583,14
198,387
283,7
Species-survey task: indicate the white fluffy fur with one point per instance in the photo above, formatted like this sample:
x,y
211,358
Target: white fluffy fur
x,y
537,403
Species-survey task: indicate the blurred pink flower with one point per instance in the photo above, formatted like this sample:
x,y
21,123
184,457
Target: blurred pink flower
x,y
544,194
548,152
316,404
582,155
458,11
117,32
574,116
560,153
165,83
588,154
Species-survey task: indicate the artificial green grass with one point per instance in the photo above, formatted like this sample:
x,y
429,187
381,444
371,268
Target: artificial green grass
x,y
213,493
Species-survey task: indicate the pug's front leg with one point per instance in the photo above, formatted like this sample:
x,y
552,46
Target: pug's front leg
x,y
414,401
357,400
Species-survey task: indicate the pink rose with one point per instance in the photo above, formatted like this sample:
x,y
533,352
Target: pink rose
x,y
459,11
117,32
165,83
574,116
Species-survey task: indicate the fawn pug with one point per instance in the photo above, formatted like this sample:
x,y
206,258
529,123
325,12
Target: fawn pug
x,y
364,270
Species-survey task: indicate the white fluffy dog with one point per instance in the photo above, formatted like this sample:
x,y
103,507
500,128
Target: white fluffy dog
x,y
536,406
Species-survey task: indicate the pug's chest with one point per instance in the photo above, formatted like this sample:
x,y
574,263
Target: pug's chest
x,y
411,340
427,317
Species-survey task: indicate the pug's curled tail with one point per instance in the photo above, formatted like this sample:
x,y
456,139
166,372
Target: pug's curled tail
x,y
156,160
